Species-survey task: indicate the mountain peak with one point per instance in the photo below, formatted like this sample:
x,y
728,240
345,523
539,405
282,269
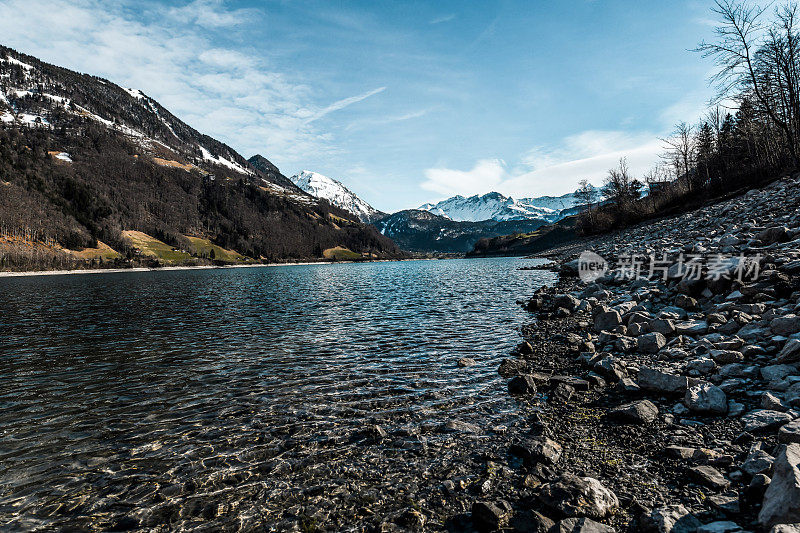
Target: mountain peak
x,y
321,186
496,206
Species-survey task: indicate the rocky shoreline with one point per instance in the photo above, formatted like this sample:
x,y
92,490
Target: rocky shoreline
x,y
667,401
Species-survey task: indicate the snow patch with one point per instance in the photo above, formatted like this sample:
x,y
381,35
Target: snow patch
x,y
321,186
219,160
136,93
18,62
63,156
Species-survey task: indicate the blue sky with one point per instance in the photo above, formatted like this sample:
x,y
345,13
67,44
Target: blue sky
x,y
404,102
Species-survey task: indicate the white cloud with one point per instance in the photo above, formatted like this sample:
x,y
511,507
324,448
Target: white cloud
x,y
586,155
235,97
486,175
211,14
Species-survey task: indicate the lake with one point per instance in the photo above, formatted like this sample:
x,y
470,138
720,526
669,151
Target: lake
x,y
250,398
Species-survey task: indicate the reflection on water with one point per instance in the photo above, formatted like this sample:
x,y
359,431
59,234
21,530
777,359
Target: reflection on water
x,y
242,398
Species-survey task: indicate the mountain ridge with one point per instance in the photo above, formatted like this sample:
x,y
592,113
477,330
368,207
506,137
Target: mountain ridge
x,y
323,187
86,163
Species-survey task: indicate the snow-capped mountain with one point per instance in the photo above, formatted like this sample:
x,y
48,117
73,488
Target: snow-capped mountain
x,y
337,194
495,206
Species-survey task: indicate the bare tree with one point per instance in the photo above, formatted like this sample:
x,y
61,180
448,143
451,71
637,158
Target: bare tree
x,y
758,59
586,195
680,149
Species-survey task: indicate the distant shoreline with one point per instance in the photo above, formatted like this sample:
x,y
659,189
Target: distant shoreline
x,y
10,274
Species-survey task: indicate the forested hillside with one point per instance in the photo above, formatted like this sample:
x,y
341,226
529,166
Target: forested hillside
x,y
84,162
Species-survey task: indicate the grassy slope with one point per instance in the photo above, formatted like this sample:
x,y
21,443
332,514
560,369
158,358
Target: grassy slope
x,y
203,247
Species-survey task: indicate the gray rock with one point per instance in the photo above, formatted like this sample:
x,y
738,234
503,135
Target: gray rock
x,y
513,367
790,433
781,503
539,450
786,528
655,380
651,342
758,461
691,328
770,401
672,519
571,496
790,352
606,320
785,325
764,419
777,372
465,362
524,384
701,365
710,477
641,412
664,326
773,235
727,502
581,525
489,515
706,398
726,357
567,301
720,527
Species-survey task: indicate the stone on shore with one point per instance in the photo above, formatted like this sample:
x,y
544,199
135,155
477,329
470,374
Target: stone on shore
x,y
706,398
710,477
663,382
581,525
764,419
520,385
491,516
641,412
571,496
781,503
651,343
671,519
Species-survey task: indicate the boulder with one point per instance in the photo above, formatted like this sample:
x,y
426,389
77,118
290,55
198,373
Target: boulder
x,y
764,419
709,476
758,461
790,433
491,516
790,352
641,412
785,325
581,525
663,382
781,503
571,496
606,320
672,519
706,398
665,326
777,372
720,527
539,450
524,384
651,342
465,362
773,235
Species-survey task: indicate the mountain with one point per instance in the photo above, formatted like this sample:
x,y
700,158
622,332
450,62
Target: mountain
x,y
495,206
422,231
323,187
526,243
91,171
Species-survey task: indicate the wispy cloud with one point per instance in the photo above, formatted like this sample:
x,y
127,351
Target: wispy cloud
x,y
344,102
442,19
239,98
